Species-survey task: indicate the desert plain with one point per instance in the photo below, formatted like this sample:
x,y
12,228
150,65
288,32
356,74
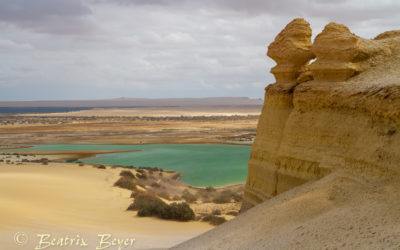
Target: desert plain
x,y
53,199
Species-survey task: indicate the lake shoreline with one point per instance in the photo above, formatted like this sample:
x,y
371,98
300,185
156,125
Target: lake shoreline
x,y
168,183
160,157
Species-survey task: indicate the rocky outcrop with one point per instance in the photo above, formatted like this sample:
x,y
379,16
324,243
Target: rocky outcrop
x,y
291,51
334,128
342,111
340,53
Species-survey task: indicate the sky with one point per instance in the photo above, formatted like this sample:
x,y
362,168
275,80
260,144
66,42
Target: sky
x,y
95,49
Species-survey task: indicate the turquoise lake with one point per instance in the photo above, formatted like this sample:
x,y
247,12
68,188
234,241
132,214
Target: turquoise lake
x,y
200,164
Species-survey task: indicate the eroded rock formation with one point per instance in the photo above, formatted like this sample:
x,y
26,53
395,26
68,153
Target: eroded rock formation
x,y
342,111
341,53
335,128
291,51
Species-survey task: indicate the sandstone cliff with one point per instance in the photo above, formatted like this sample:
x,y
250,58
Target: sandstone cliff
x,y
324,170
346,115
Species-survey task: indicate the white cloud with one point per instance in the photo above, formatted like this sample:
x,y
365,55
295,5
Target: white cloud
x,y
11,46
258,84
232,86
206,85
158,48
180,38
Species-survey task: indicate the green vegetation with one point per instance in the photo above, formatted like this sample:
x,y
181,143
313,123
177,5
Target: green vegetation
x,y
210,189
188,197
136,193
164,195
214,220
226,196
127,173
142,176
236,197
141,170
125,182
216,212
233,213
176,176
148,204
72,160
178,211
155,185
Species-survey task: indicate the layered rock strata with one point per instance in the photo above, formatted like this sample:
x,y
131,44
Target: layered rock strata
x,y
340,112
291,51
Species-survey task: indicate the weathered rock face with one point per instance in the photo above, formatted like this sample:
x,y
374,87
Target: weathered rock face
x,y
344,112
291,51
340,53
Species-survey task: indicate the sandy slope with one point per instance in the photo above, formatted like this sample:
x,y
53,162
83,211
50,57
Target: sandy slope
x,y
62,199
344,210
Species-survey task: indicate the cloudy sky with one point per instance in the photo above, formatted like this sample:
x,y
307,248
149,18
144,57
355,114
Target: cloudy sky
x,y
93,49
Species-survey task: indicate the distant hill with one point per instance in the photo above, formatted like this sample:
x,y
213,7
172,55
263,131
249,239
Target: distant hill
x,y
139,102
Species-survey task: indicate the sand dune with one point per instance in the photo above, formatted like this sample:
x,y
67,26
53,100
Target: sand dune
x,y
344,210
64,199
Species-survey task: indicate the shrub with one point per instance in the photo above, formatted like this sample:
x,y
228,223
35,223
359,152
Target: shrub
x,y
223,197
149,168
164,195
155,185
210,189
188,197
71,160
140,170
216,212
178,211
125,182
233,213
137,192
127,174
141,176
237,197
143,185
214,220
149,205
176,176
206,194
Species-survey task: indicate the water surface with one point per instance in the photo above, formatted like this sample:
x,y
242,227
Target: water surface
x,y
200,164
39,110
